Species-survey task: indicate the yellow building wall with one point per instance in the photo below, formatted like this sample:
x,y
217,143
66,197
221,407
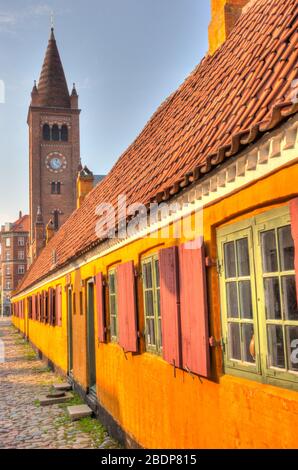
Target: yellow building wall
x,y
50,340
153,406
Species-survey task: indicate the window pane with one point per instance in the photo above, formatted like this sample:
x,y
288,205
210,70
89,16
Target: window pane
x,y
158,301
113,305
150,333
234,341
112,283
248,343
292,344
245,299
289,294
243,257
232,300
156,263
272,298
230,260
286,248
147,274
149,310
113,326
160,331
276,346
269,252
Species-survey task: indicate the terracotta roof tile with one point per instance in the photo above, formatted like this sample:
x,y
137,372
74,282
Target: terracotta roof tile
x,y
22,224
225,104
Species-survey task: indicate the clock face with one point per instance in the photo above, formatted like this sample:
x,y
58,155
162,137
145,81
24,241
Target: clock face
x,y
56,162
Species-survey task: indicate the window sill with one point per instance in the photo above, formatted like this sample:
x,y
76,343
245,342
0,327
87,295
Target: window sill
x,y
254,380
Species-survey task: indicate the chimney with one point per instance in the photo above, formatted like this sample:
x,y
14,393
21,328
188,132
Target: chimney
x,y
20,214
224,15
85,183
50,231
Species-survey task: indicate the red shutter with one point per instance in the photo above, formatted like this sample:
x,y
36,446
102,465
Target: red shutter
x,y
50,306
194,311
127,310
170,305
294,224
38,306
17,309
100,308
58,305
33,307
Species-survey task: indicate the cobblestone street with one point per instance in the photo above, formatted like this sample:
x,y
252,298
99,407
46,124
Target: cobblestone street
x,y
24,424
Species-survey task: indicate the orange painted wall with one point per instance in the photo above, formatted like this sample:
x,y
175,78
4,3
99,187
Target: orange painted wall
x,y
159,410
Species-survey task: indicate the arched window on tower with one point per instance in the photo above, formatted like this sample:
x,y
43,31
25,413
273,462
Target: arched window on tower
x,y
46,132
56,187
64,133
55,132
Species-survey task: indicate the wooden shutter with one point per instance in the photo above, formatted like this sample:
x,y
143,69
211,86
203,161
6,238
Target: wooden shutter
x,y
50,306
58,305
170,305
294,225
193,308
38,306
127,310
100,311
33,307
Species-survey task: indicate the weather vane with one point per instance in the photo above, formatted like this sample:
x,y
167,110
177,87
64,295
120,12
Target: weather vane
x,y
52,20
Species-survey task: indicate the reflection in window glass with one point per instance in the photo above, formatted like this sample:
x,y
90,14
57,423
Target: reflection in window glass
x,y
113,305
147,274
243,258
151,293
286,248
292,345
269,251
234,341
276,346
232,300
248,342
150,332
230,260
289,295
149,303
272,298
245,299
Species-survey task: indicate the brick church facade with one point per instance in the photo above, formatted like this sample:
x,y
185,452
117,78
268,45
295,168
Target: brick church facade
x,y
54,150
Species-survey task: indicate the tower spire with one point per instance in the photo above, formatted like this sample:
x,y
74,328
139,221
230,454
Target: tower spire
x,y
52,87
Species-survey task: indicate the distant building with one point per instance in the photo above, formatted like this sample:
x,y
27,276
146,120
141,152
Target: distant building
x,y
14,254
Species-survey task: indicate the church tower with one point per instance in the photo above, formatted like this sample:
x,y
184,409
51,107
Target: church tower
x,y
54,148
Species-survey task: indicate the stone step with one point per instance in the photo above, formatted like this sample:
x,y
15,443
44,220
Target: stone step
x,y
62,387
79,411
45,400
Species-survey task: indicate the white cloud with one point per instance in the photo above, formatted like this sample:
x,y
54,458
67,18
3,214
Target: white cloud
x,y
10,19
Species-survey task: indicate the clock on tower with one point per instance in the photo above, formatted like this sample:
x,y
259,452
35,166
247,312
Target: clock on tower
x,y
54,139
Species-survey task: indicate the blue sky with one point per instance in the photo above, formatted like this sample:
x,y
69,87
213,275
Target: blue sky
x,y
126,57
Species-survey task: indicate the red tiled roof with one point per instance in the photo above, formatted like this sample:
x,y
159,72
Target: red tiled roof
x,y
22,224
52,86
225,104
